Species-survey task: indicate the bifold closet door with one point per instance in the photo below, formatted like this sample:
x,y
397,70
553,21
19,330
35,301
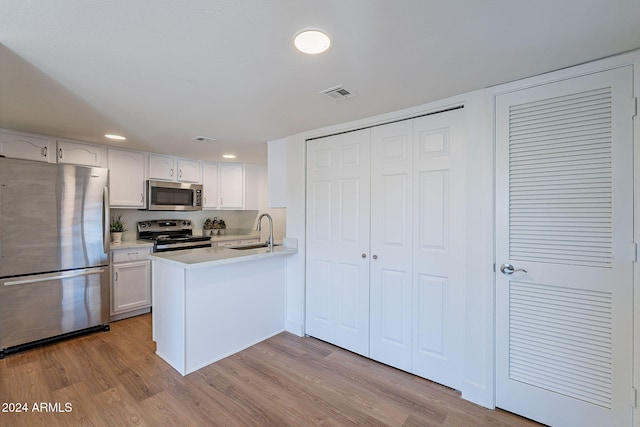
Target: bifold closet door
x,y
438,253
391,243
338,206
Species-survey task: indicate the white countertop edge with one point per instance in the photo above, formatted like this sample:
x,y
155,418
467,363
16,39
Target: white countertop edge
x,y
210,257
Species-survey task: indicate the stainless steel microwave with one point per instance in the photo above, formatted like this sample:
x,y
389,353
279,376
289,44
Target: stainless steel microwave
x,y
173,196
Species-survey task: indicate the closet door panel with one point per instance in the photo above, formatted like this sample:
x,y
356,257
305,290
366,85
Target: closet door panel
x,y
338,205
391,243
438,255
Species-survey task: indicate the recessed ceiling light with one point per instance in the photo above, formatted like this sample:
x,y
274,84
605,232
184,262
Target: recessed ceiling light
x,y
312,41
115,137
229,156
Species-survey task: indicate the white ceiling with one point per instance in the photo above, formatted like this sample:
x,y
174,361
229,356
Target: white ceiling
x,y
162,72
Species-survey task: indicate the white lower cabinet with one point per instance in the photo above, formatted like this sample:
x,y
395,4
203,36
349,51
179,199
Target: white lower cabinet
x,y
384,244
130,282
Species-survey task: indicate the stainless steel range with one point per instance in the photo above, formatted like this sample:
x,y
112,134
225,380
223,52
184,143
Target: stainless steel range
x,y
171,235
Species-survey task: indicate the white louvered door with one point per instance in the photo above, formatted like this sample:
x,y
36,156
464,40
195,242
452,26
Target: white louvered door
x,y
564,213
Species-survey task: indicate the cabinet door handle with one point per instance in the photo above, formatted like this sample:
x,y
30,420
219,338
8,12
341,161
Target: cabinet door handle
x,y
171,172
363,255
221,201
60,152
375,257
44,152
180,173
141,197
116,276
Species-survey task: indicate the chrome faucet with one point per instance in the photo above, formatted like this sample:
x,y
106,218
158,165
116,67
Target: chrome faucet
x,y
270,241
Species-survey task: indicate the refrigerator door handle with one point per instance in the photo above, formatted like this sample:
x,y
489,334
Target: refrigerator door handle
x,y
58,277
105,220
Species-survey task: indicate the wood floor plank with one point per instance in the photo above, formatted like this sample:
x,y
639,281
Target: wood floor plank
x,y
115,378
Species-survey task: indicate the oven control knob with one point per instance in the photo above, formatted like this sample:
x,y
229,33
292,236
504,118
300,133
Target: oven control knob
x,y
185,223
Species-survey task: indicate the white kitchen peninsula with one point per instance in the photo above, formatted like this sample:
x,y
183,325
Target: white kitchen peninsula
x,y
210,303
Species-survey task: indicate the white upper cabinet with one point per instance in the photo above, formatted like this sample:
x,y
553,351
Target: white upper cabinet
x,y
209,185
29,147
76,153
170,169
232,186
162,167
188,170
231,180
126,178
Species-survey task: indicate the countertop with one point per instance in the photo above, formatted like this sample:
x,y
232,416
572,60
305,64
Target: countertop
x,y
210,257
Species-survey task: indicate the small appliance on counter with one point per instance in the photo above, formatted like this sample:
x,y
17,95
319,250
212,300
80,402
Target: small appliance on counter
x,y
171,235
54,259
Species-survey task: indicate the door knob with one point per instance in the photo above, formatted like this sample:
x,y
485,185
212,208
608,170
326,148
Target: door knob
x,y
508,269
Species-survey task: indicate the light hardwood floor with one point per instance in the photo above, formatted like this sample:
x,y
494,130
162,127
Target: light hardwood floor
x,y
115,379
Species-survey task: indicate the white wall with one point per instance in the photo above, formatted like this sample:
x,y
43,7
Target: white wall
x,y
478,229
478,265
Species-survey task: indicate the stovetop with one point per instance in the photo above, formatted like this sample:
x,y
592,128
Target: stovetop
x,y
171,234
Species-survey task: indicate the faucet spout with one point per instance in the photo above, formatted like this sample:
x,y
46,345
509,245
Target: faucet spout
x,y
259,228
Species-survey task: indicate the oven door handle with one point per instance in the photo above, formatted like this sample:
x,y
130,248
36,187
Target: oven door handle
x,y
185,245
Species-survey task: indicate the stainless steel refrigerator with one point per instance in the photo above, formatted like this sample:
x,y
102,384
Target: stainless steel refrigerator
x,y
54,263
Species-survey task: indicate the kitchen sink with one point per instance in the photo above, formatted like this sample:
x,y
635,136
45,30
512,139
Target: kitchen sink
x,y
251,246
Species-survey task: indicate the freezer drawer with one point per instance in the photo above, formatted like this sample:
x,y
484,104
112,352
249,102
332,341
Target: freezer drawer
x,y
42,306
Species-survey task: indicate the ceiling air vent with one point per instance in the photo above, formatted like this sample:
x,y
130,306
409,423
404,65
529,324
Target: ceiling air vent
x,y
202,139
338,93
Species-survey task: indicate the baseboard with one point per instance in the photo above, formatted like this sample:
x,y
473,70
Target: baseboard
x,y
294,328
477,394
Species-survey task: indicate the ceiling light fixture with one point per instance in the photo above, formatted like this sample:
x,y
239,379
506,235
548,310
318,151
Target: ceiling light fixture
x,y
229,156
311,41
115,137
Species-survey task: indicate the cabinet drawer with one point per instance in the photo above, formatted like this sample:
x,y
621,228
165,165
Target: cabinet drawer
x,y
130,254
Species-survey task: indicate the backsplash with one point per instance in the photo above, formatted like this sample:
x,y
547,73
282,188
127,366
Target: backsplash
x,y
237,222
